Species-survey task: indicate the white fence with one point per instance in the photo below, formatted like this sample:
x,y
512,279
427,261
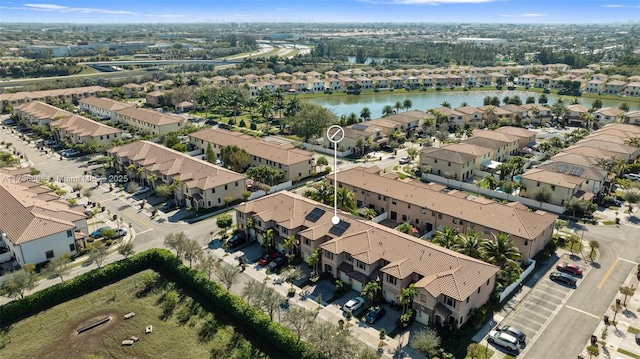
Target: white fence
x,y
469,187
505,293
260,193
321,149
380,218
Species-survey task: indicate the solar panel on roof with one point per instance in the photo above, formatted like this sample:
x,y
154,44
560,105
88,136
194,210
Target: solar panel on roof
x,y
562,167
359,127
314,215
340,228
576,170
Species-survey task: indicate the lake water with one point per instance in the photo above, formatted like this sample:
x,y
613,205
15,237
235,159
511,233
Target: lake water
x,y
344,105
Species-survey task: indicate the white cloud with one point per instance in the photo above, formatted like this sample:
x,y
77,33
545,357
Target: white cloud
x,y
505,15
614,5
82,10
532,15
166,15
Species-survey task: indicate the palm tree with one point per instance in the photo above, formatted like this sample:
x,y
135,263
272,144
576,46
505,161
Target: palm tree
x,y
369,213
407,104
446,104
634,141
387,111
370,292
446,237
397,106
267,238
469,244
151,179
346,200
490,181
365,114
412,152
501,251
406,296
290,245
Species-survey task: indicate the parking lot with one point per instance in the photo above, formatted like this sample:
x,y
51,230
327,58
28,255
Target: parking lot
x,y
542,303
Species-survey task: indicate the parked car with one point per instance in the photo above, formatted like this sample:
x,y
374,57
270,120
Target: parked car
x,y
375,314
569,268
98,232
278,263
353,304
267,258
503,339
632,176
70,153
236,240
171,204
514,332
142,190
405,160
50,142
120,232
563,278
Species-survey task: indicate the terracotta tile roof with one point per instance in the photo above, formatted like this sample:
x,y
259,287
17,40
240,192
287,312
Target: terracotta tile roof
x,y
155,94
446,154
41,110
150,116
531,106
284,153
495,135
468,148
553,178
370,242
609,111
616,83
53,93
407,117
589,171
82,126
516,131
577,108
513,108
194,173
521,222
485,142
497,111
468,110
622,127
25,217
106,104
607,146
589,151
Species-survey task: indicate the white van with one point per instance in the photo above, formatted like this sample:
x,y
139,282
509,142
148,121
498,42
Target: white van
x,y
632,176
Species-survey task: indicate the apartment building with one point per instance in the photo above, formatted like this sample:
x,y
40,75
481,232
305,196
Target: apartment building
x,y
455,161
449,285
427,207
561,186
509,143
295,163
36,226
68,94
525,137
103,107
39,113
78,129
607,115
149,121
200,184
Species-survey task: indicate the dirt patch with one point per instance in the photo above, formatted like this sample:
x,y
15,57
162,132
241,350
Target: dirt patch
x,y
79,323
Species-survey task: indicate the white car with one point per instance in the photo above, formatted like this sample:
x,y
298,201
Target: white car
x,y
503,339
353,304
142,190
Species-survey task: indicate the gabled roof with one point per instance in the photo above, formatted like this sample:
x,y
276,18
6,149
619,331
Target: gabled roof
x,y
193,173
41,110
446,154
283,153
150,116
496,135
82,126
516,131
607,146
106,104
468,110
407,117
53,93
609,111
552,178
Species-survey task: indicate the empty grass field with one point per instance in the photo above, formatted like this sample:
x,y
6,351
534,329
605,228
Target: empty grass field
x,y
182,328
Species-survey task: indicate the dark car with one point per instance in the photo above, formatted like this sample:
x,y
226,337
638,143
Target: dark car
x,y
563,278
278,264
569,268
513,331
171,204
267,258
236,240
375,314
211,122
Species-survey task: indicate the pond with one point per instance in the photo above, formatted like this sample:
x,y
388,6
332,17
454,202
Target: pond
x,y
344,105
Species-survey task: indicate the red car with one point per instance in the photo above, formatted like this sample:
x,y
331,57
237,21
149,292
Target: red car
x,y
267,258
569,268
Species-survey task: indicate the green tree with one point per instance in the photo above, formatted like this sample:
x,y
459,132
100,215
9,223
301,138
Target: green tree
x,y
267,238
573,240
501,251
314,259
427,342
371,292
627,291
299,319
227,274
192,251
234,157
624,107
593,351
469,244
406,296
60,266
594,247
163,191
224,222
17,283
322,161
405,228
126,250
310,121
209,155
365,114
98,253
412,152
176,241
446,237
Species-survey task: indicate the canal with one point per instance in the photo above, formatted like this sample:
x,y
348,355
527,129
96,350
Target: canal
x,y
344,105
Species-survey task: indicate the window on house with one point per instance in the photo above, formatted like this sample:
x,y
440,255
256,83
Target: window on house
x,y
472,225
487,231
439,215
461,222
450,301
236,183
423,298
226,187
379,197
433,214
307,241
454,221
553,188
69,233
404,217
423,210
361,265
48,254
479,290
348,257
488,280
213,190
329,255
468,299
391,279
209,204
72,247
393,202
219,201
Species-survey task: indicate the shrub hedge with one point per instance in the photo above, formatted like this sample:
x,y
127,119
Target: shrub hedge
x,y
166,263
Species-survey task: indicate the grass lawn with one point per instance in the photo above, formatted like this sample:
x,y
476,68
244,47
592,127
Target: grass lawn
x,y
187,331
608,223
633,330
633,355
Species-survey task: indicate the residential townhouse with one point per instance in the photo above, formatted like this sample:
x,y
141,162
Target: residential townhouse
x,y
562,187
360,133
149,121
510,143
594,86
200,184
395,81
573,114
314,75
632,89
78,130
132,90
607,115
365,83
593,152
538,113
68,94
39,113
103,107
316,84
428,207
626,152
455,118
484,80
471,115
517,113
295,163
36,226
455,161
470,80
542,81
527,138
615,87
491,114
302,86
332,84
380,82
526,80
449,285
282,85
408,121
595,178
154,97
285,76
631,118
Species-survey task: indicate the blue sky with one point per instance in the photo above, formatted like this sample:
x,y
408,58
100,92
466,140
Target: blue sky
x,y
477,11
